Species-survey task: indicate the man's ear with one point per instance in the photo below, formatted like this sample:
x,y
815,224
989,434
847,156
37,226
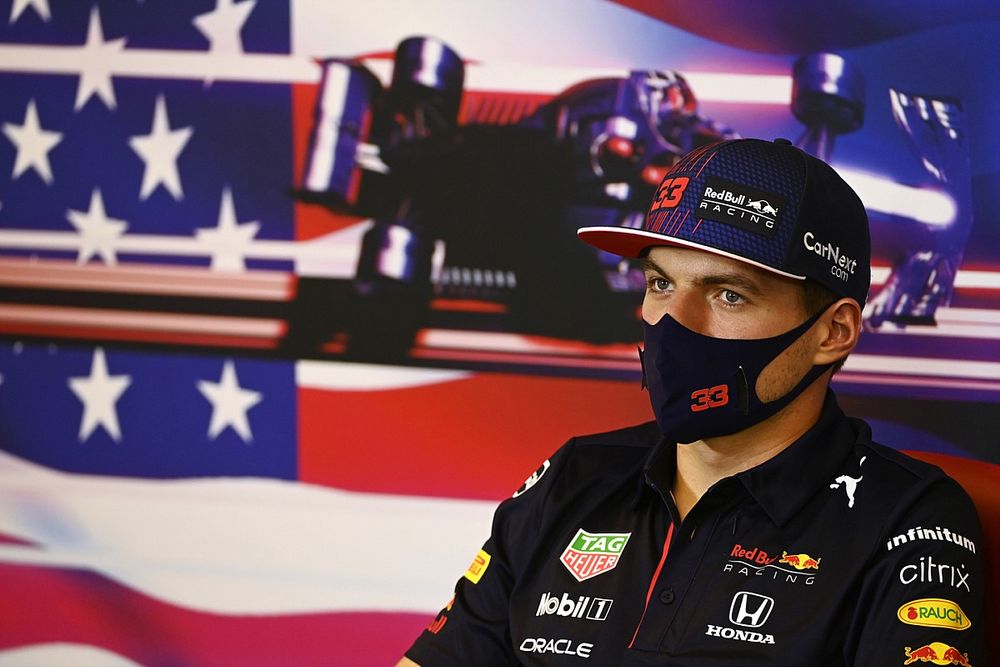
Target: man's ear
x,y
841,327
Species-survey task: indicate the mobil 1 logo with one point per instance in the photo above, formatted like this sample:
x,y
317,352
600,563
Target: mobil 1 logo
x,y
581,606
740,205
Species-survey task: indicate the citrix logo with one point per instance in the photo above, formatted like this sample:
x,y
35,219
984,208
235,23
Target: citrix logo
x,y
927,571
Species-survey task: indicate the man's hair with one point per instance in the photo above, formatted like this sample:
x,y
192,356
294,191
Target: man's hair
x,y
816,298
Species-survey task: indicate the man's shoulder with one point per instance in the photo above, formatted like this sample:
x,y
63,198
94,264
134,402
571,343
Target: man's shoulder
x,y
595,463
896,480
611,454
590,458
908,469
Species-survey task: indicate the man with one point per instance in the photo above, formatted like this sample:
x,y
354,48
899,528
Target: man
x,y
752,523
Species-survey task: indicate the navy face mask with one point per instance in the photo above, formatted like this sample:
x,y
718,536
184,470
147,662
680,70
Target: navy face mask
x,y
702,387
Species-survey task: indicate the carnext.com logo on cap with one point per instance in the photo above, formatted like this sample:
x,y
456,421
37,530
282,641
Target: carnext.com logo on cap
x,y
741,206
841,266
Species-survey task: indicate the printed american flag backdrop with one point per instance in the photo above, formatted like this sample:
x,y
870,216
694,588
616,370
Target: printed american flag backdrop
x,y
161,506
192,470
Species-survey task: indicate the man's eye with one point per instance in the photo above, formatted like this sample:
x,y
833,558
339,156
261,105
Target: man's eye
x,y
731,297
659,284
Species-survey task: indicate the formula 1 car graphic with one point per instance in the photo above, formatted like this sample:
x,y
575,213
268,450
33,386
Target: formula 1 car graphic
x,y
923,275
481,202
478,199
828,98
472,198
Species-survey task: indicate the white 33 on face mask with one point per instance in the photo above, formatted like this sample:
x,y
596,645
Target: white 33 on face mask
x,y
702,387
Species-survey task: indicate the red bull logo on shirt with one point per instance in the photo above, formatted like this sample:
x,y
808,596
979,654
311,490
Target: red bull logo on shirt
x,y
800,561
435,626
754,561
752,554
937,653
591,554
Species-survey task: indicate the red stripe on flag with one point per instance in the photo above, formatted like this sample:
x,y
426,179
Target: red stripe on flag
x,y
475,437
13,539
41,605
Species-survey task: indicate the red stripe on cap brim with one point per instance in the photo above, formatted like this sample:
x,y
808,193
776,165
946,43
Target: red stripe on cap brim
x,y
629,242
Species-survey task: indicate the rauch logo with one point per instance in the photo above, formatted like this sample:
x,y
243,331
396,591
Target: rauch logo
x,y
934,613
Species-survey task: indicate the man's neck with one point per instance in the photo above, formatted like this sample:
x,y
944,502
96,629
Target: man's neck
x,y
703,463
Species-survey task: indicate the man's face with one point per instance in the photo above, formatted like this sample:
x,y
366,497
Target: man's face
x,y
717,296
724,298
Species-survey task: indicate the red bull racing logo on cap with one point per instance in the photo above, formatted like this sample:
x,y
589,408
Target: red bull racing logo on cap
x,y
591,554
739,205
937,653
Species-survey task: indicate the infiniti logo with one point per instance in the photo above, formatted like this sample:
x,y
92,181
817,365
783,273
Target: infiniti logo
x,y
750,609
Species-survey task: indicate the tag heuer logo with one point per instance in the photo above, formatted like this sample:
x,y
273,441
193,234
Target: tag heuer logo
x,y
591,554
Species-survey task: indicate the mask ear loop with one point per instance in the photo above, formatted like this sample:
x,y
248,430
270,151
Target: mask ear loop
x,y
810,375
642,364
742,389
741,384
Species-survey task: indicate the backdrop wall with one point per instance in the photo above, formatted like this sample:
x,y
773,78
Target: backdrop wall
x,y
290,294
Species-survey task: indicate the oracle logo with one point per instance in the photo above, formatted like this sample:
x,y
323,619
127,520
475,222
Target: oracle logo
x,y
556,646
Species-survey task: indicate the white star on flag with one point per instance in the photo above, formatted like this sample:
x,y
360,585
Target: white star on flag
x,y
99,392
98,232
41,8
222,25
95,65
159,150
230,403
229,240
33,144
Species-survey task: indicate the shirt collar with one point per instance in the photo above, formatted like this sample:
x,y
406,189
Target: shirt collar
x,y
780,485
658,474
783,484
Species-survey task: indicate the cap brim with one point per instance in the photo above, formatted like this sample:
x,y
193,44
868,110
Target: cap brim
x,y
629,242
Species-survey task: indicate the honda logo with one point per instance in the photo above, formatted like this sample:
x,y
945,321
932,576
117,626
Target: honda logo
x,y
750,609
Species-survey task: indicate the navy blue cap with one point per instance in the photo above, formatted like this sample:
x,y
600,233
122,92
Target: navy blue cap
x,y
765,203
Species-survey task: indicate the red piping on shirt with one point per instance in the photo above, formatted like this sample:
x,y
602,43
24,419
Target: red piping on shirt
x,y
652,582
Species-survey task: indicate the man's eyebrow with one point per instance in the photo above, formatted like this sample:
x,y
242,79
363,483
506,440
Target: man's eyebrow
x,y
649,265
732,279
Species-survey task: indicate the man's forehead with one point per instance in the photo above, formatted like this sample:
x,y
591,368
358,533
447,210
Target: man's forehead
x,y
708,268
692,259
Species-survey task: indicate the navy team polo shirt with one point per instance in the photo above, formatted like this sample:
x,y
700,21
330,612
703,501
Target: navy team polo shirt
x,y
837,551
